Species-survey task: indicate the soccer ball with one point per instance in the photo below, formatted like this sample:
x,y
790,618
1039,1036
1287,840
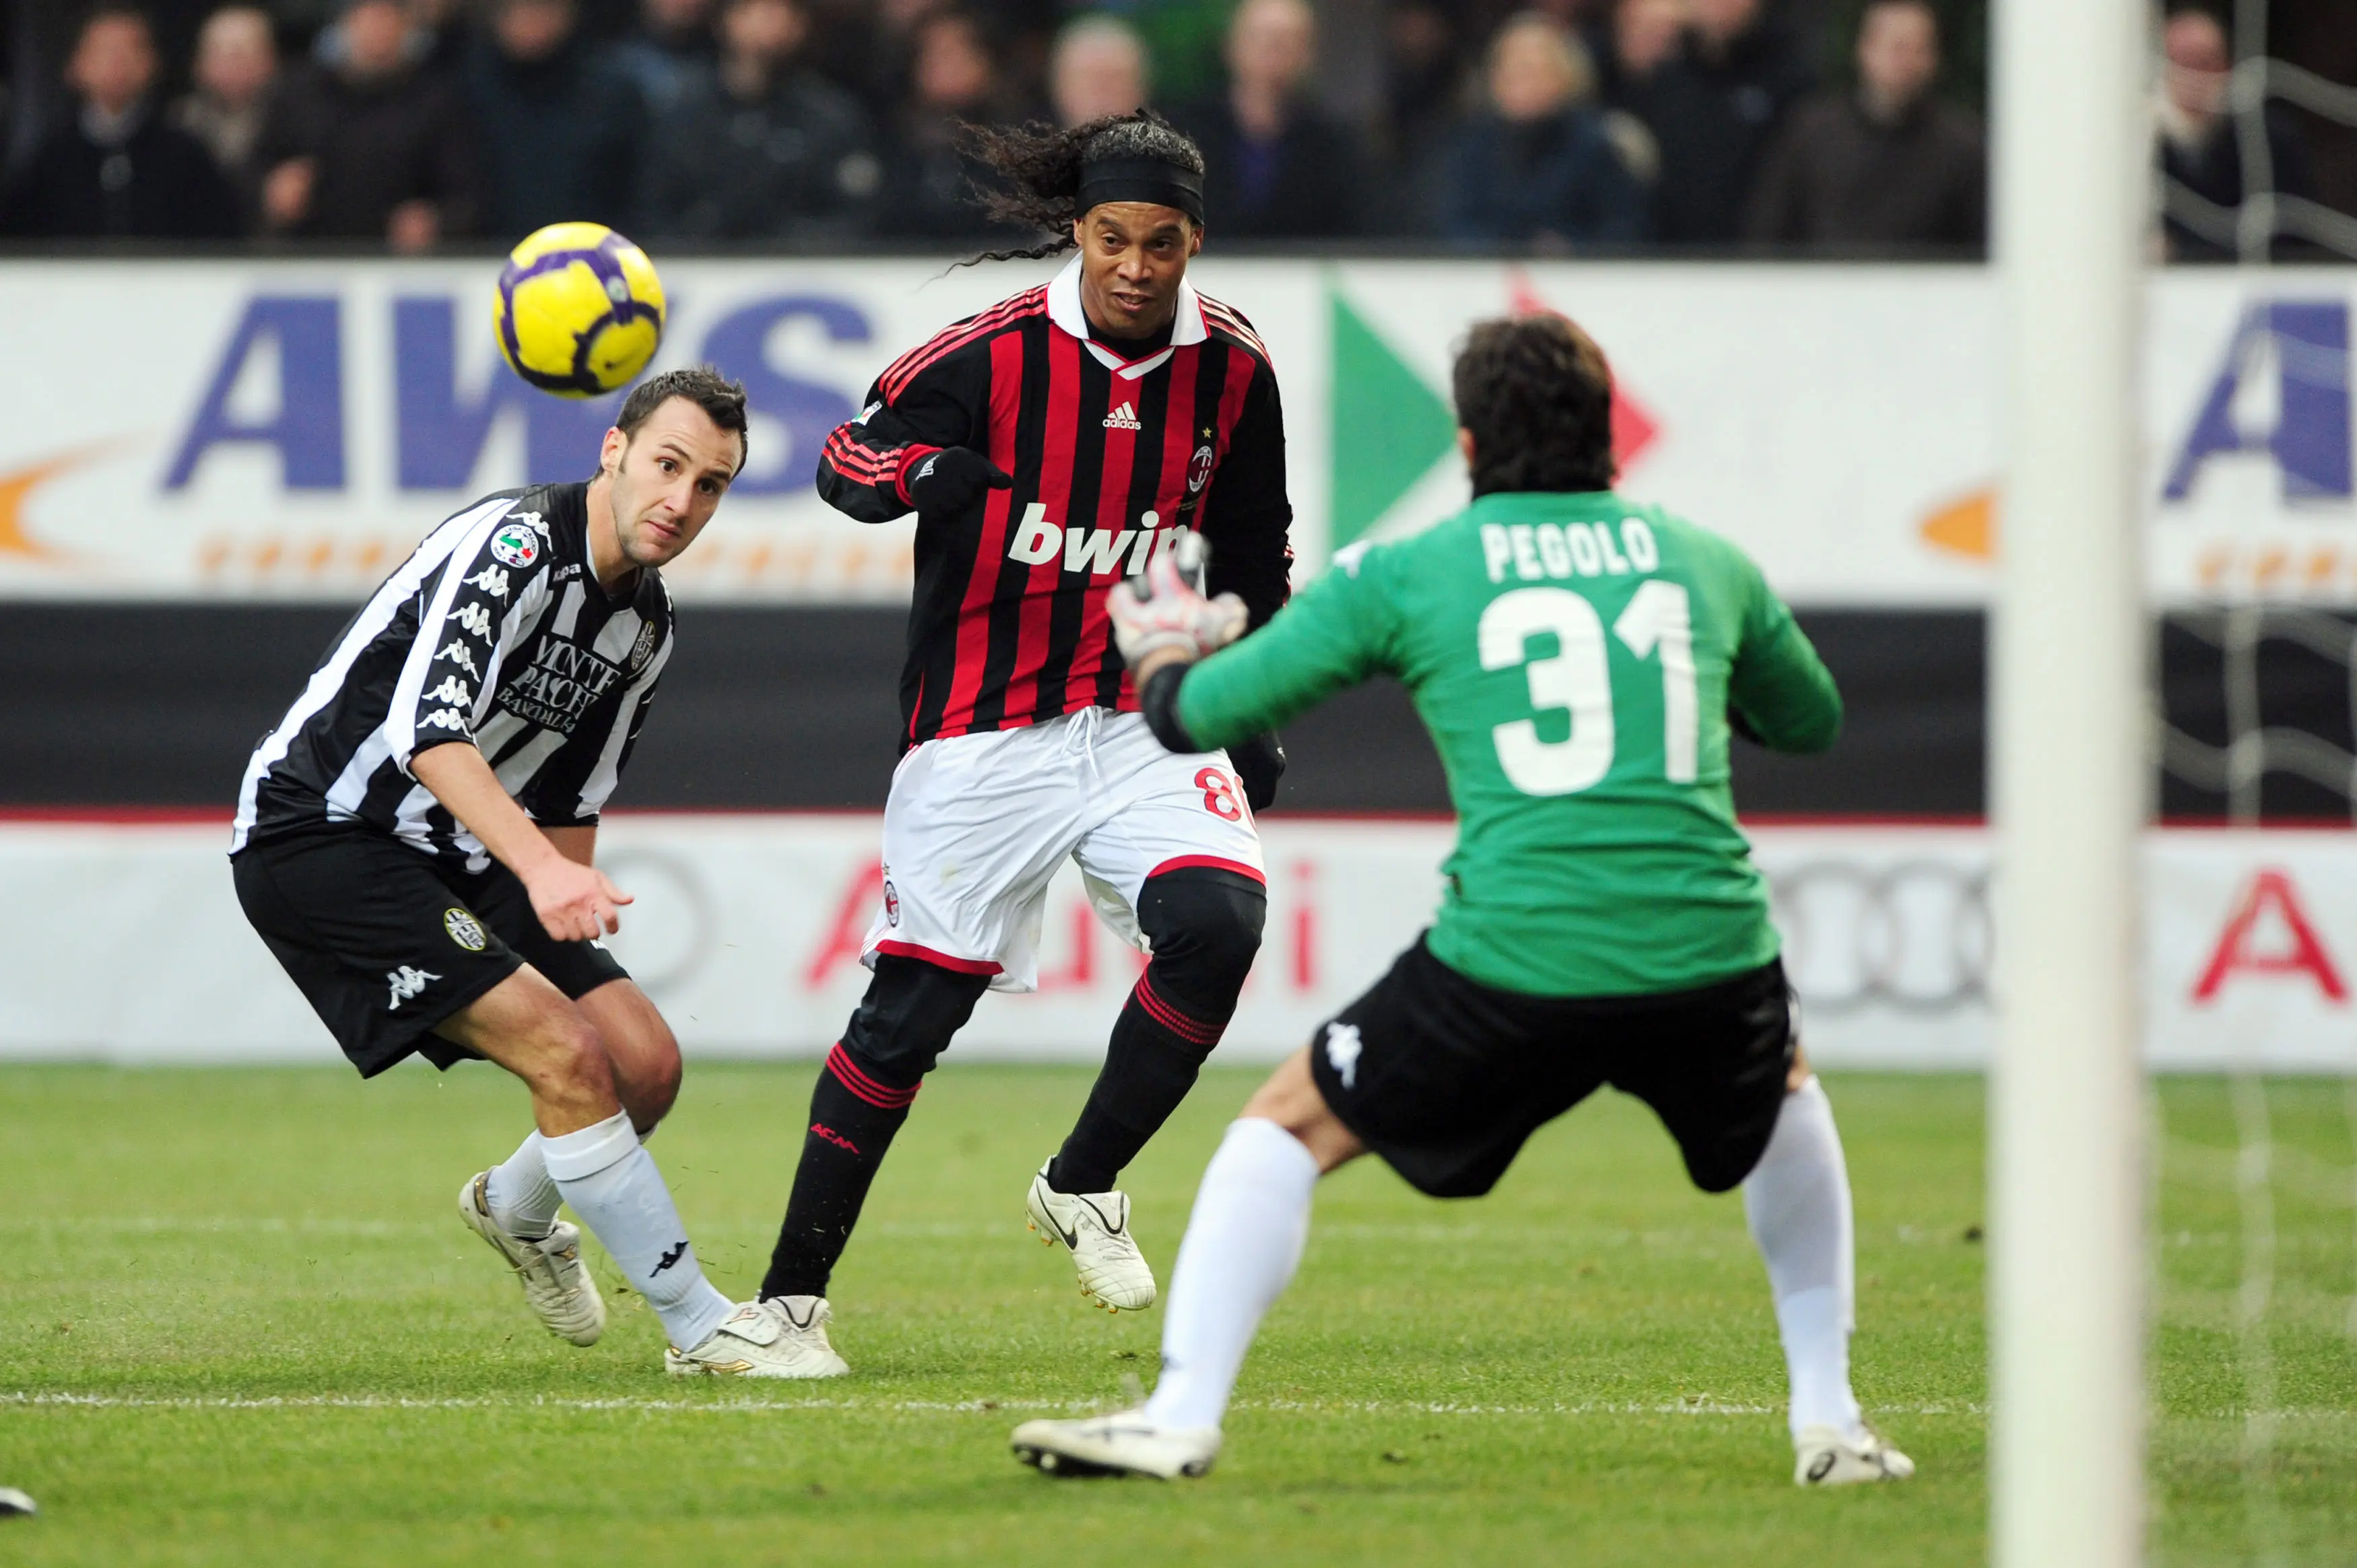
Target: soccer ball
x,y
580,310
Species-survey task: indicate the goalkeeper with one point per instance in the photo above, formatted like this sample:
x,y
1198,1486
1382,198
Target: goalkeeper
x,y
1579,659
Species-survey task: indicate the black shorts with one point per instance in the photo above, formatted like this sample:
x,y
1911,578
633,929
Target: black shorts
x,y
1446,1078
386,941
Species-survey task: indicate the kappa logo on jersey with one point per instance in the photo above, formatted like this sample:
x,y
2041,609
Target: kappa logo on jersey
x,y
444,718
561,685
1342,1049
407,983
1124,418
644,648
451,690
465,929
474,618
492,580
461,655
515,544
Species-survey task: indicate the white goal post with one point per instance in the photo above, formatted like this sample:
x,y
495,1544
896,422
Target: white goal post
x,y
2069,777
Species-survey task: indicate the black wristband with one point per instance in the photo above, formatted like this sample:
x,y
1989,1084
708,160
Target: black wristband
x,y
1158,700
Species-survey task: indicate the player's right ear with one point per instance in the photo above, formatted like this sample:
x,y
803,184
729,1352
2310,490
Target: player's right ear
x,y
610,455
1464,443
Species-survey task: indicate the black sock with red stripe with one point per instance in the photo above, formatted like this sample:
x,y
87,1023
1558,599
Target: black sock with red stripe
x,y
1156,1049
1205,925
854,1111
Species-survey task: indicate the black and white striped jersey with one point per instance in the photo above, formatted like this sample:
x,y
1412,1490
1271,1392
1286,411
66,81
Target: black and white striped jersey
x,y
496,633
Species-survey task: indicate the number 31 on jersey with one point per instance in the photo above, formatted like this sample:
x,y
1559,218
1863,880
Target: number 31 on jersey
x,y
1657,624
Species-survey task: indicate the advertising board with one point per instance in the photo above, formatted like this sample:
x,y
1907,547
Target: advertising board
x,y
287,429
124,941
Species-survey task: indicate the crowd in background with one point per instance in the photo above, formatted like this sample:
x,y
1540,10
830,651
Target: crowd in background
x,y
1836,126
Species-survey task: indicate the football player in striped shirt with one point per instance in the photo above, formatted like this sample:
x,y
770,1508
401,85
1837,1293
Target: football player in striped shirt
x,y
414,843
1049,447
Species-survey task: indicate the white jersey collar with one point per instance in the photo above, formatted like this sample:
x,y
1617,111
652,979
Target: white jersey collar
x,y
1064,311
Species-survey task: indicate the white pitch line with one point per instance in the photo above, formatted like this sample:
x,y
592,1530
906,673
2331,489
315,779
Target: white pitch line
x,y
961,1407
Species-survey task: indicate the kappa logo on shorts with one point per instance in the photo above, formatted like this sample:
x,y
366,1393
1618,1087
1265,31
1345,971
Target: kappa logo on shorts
x,y
1343,1052
465,929
406,981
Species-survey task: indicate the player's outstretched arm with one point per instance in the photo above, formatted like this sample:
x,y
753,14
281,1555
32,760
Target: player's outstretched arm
x,y
1780,691
1330,637
573,899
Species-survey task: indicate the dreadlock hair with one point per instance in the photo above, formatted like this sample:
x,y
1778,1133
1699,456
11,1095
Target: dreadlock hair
x,y
1038,170
1536,393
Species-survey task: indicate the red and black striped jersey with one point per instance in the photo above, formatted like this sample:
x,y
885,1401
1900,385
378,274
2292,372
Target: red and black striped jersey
x,y
1111,458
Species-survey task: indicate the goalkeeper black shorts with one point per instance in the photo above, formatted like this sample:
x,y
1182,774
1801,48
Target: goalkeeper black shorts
x,y
1446,1078
386,941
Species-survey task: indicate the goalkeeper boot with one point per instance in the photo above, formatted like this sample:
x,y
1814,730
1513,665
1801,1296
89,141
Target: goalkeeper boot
x,y
555,1286
1825,1457
782,1337
1094,1227
1122,1443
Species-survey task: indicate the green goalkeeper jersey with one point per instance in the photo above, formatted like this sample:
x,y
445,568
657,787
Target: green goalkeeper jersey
x,y
1576,658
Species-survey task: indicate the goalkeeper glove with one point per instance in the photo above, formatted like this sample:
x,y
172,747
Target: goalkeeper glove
x,y
1161,609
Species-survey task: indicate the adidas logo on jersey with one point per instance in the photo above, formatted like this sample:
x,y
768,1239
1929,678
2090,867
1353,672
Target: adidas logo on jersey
x,y
1124,418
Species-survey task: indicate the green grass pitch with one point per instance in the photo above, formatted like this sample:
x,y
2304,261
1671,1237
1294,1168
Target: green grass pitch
x,y
240,1323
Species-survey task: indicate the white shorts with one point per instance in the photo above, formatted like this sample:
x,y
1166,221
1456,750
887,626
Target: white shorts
x,y
977,825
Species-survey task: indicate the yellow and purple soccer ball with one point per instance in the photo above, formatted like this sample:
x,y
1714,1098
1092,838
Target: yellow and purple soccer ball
x,y
579,311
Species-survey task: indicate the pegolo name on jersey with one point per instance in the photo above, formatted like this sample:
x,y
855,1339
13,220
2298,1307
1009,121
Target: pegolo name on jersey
x,y
1538,551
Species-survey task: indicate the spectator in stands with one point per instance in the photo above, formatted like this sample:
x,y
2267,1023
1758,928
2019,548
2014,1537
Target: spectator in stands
x,y
673,38
1099,68
112,169
762,146
1424,67
560,119
1275,167
371,147
1540,167
2203,182
236,65
1888,165
1712,105
953,77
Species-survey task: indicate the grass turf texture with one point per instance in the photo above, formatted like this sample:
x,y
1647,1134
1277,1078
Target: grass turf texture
x,y
238,1323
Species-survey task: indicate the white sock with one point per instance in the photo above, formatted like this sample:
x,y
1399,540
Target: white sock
x,y
1242,1243
1797,1201
613,1185
524,1200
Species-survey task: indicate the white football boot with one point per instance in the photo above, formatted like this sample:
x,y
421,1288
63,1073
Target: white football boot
x,y
782,1338
555,1286
1122,1443
1094,1227
1825,1457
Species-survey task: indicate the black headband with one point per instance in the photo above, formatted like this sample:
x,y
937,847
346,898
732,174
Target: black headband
x,y
1158,180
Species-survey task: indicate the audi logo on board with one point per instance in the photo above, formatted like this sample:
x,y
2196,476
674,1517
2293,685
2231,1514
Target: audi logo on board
x,y
1914,935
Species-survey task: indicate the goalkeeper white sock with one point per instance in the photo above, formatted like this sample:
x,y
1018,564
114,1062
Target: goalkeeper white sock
x,y
1242,1243
524,1200
615,1187
1797,1201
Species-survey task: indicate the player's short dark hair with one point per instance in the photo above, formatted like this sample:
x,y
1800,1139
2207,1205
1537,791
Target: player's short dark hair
x,y
1536,392
702,385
